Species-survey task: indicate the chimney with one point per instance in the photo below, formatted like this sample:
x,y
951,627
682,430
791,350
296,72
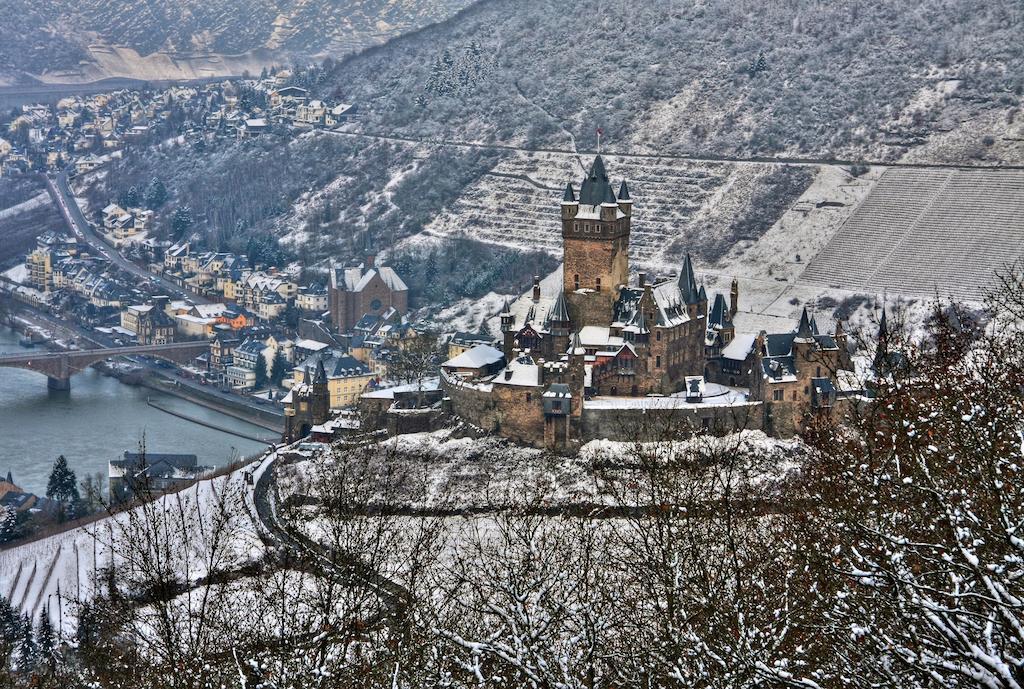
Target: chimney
x,y
370,259
642,278
734,297
536,288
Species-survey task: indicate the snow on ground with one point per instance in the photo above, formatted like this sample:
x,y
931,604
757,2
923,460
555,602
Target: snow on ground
x,y
442,471
18,273
40,199
58,572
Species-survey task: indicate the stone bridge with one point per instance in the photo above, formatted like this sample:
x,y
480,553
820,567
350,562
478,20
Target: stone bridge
x,y
58,367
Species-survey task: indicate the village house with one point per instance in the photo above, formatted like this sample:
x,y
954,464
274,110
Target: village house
x,y
347,378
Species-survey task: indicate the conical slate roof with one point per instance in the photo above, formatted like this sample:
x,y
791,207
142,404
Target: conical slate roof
x,y
624,192
575,346
321,374
559,313
594,186
688,283
804,330
570,195
609,196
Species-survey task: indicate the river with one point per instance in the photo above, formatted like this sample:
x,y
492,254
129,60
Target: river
x,y
97,421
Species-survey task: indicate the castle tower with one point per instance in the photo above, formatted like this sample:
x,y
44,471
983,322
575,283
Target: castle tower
x,y
559,325
595,239
507,331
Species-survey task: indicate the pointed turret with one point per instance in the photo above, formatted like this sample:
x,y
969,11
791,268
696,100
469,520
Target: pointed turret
x,y
592,190
305,376
624,192
576,346
702,294
688,283
804,331
321,374
570,206
609,196
559,312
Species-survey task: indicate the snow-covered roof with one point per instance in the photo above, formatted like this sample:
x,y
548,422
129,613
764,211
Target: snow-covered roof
x,y
478,357
740,347
310,345
522,371
592,336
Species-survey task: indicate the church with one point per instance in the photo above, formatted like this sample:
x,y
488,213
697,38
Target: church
x,y
604,338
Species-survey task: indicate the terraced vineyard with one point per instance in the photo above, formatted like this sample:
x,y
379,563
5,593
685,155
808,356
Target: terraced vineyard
x,y
678,205
922,232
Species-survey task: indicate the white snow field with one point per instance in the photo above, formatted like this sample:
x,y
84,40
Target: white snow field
x,y
58,572
927,232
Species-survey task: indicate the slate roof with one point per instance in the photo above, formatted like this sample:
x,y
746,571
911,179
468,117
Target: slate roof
x,y
595,184
336,364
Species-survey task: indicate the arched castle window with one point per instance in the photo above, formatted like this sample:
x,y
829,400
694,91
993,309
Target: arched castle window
x,y
576,280
597,284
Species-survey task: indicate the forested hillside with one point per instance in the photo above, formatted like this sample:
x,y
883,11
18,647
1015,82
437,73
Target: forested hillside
x,y
869,78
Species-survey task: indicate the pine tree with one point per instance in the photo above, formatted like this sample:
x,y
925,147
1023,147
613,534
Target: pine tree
x,y
279,368
27,655
181,221
156,194
63,486
8,523
46,642
261,371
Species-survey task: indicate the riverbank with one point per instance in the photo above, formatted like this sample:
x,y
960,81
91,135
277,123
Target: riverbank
x,y
207,424
264,418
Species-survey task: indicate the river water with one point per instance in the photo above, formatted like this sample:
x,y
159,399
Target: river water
x,y
97,421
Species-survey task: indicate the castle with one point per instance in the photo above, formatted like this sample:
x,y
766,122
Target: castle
x,y
608,348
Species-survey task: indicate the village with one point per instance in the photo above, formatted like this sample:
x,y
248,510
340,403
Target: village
x,y
82,133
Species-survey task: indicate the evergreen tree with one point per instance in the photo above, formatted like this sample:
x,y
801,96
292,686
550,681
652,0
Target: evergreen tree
x,y
279,368
8,523
156,194
63,486
27,655
130,198
46,642
261,371
9,624
181,221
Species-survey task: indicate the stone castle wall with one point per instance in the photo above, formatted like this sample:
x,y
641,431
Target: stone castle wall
x,y
652,424
505,410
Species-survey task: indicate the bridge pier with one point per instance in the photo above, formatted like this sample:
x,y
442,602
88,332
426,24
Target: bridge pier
x,y
58,383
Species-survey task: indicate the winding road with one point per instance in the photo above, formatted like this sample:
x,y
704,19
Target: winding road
x,y
64,198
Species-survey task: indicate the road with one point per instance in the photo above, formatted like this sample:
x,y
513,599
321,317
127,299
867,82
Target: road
x,y
347,568
64,198
696,157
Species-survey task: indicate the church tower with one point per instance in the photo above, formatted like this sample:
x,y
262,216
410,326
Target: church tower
x,y
595,240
